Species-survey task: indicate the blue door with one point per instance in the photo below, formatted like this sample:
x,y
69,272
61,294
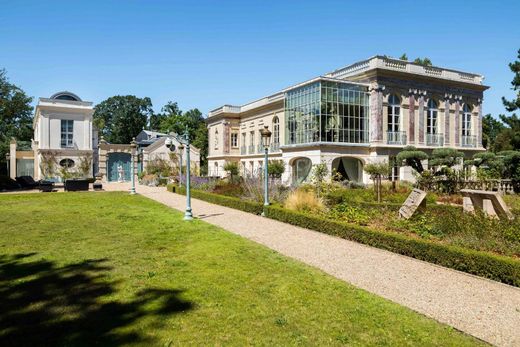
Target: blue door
x,y
114,161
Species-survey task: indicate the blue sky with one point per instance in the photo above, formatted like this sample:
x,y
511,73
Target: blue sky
x,y
207,53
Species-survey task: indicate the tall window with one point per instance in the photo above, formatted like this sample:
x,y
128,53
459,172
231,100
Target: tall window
x,y
394,113
431,118
466,120
234,140
67,133
276,130
252,138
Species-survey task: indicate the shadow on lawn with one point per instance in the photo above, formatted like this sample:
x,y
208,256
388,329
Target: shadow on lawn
x,y
43,304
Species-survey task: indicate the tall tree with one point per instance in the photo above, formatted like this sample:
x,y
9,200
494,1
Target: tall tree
x,y
513,105
404,57
120,118
423,61
174,120
15,115
491,128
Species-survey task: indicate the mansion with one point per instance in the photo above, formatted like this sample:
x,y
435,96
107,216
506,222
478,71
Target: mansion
x,y
363,113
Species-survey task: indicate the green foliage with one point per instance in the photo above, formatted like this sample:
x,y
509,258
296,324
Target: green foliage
x,y
85,165
351,214
231,167
423,61
161,167
121,118
445,157
172,119
513,105
377,169
489,165
276,168
403,57
499,268
15,115
491,128
411,156
319,172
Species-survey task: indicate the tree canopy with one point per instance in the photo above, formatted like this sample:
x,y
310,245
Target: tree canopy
x,y
15,115
411,156
120,118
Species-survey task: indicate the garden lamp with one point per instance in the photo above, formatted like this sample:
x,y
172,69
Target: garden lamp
x,y
266,140
169,143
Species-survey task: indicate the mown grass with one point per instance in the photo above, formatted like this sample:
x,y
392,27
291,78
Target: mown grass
x,y
114,269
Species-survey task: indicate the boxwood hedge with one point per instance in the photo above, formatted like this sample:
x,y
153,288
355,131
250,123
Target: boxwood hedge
x,y
495,267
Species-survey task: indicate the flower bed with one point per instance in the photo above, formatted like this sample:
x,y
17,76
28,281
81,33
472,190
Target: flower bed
x,y
485,264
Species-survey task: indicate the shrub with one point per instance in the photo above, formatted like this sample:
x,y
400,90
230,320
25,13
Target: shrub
x,y
231,167
276,168
302,200
411,156
495,267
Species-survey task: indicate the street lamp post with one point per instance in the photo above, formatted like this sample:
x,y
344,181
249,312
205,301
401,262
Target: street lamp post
x,y
133,146
188,214
181,152
266,139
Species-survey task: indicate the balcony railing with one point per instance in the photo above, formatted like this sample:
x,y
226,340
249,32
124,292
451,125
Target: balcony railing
x,y
275,147
243,150
260,148
469,141
251,149
396,138
435,140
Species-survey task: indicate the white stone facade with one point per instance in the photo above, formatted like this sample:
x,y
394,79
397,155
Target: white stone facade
x,y
402,104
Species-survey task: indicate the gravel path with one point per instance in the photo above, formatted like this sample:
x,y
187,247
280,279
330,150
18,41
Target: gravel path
x,y
485,309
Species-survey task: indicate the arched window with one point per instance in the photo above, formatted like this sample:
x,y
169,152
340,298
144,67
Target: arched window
x,y
301,168
276,133
466,120
431,118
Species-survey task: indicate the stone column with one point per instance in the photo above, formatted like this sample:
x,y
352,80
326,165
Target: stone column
x,y
411,116
479,123
447,128
457,120
227,137
12,158
376,112
422,94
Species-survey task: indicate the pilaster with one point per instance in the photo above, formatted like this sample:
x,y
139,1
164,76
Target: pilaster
x,y
411,117
376,112
447,129
422,94
479,123
458,99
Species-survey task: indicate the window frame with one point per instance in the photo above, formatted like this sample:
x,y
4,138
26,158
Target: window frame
x,y
394,114
67,133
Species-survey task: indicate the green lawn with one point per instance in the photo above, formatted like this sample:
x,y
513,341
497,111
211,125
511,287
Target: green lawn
x,y
111,269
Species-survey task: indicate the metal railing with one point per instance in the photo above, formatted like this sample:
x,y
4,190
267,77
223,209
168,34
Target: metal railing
x,y
469,141
251,149
260,148
434,139
396,137
275,147
243,150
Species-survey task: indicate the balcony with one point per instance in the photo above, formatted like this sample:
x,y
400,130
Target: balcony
x,y
275,147
396,137
435,140
260,148
469,141
243,150
251,149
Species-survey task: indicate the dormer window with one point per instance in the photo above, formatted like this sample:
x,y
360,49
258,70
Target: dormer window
x,y
67,133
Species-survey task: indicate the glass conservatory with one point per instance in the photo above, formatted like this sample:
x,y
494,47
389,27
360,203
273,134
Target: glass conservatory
x,y
327,111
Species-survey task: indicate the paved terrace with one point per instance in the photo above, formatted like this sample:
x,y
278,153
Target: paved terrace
x,y
486,309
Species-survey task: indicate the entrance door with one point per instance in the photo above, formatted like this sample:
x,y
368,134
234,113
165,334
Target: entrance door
x,y
114,161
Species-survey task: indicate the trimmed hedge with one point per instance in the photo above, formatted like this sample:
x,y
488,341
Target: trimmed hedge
x,y
171,187
495,267
228,201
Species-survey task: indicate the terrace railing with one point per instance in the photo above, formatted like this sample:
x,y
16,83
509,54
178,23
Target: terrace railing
x,y
243,150
396,137
469,141
275,147
251,149
434,140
